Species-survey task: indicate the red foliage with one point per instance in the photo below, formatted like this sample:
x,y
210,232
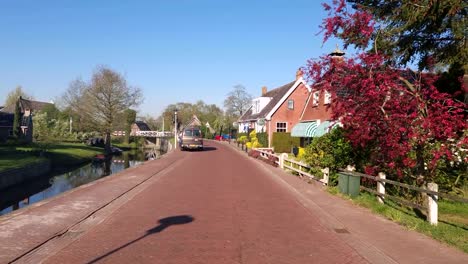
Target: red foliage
x,y
357,27
397,115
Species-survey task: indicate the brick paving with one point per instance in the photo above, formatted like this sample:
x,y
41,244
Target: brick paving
x,y
214,206
239,216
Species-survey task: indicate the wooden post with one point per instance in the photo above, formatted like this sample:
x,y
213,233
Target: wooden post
x,y
381,187
432,203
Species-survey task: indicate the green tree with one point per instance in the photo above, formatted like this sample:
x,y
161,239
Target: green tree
x,y
130,116
17,120
13,96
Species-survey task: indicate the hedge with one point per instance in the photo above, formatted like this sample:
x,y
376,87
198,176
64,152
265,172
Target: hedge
x,y
283,142
263,139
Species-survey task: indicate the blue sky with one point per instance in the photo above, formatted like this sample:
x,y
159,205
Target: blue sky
x,y
175,51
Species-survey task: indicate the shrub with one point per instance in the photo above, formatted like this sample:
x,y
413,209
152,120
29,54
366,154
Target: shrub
x,y
254,153
263,139
242,139
331,150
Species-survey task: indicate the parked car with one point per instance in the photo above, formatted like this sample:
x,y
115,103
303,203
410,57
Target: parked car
x,y
191,138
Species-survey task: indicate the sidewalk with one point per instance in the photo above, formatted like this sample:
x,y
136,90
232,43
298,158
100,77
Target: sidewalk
x,y
375,238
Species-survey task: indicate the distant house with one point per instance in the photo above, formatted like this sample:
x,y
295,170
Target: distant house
x,y
277,110
139,126
193,122
27,109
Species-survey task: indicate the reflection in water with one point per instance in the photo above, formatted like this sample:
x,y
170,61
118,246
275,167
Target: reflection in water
x,y
55,183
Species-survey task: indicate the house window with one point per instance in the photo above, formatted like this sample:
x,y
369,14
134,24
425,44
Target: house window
x,y
291,104
10,132
281,127
327,97
315,98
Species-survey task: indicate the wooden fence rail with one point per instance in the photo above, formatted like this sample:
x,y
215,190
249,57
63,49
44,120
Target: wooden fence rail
x,y
432,189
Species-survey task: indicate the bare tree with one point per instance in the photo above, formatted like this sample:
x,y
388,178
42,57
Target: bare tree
x,y
100,102
107,96
238,101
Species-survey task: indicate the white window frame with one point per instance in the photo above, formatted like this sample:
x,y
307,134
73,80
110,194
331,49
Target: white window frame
x,y
285,126
315,98
327,99
291,104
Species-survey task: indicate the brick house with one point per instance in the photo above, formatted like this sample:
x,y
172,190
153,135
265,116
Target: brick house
x,y
28,108
315,120
277,110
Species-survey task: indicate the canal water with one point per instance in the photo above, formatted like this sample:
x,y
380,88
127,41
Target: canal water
x,y
60,181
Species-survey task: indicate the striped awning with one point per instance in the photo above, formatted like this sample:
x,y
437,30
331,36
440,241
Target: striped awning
x,y
325,127
304,129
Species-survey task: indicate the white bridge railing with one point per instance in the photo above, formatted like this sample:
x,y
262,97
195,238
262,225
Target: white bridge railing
x,y
154,134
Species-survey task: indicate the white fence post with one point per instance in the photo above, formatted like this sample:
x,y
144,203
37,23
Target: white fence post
x,y
281,157
432,203
326,175
381,187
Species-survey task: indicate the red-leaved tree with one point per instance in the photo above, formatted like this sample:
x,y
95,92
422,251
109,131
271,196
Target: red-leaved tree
x,y
407,126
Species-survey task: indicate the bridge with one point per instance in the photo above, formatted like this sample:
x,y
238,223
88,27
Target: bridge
x,y
148,134
211,206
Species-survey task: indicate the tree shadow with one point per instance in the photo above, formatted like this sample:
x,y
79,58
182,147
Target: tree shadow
x,y
163,224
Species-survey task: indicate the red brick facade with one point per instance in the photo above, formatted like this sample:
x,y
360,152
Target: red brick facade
x,y
290,116
320,112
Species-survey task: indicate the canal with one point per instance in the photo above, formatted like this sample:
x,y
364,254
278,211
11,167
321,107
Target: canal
x,y
58,182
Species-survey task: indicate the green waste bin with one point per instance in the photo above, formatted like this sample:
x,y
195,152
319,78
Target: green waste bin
x,y
349,185
343,180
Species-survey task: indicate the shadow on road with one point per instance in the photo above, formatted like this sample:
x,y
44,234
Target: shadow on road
x,y
163,224
205,148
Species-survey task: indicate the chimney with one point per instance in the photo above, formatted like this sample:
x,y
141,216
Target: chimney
x,y
299,74
337,54
264,90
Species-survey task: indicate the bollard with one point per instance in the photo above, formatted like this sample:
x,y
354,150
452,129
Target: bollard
x,y
432,204
381,187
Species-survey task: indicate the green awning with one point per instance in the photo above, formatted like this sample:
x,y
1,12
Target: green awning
x,y
325,127
304,129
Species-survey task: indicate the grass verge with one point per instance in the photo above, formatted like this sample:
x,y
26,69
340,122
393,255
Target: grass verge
x,y
452,228
60,154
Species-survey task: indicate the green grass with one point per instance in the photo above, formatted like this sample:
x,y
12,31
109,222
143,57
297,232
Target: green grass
x,y
452,227
60,154
13,160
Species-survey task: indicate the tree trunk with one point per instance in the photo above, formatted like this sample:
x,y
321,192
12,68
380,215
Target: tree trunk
x,y
107,148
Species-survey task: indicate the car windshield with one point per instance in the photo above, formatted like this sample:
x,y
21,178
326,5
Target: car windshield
x,y
192,133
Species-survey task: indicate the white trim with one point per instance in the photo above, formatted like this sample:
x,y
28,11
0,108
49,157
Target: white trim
x,y
286,95
305,107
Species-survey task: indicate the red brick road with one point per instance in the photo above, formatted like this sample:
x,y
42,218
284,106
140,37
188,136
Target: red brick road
x,y
214,207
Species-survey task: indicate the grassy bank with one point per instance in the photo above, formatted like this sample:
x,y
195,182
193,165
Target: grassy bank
x,y
452,228
60,154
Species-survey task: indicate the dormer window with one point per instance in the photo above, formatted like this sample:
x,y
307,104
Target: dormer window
x,y
291,104
315,98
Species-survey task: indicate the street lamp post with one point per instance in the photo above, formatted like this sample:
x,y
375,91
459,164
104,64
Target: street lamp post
x,y
175,129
